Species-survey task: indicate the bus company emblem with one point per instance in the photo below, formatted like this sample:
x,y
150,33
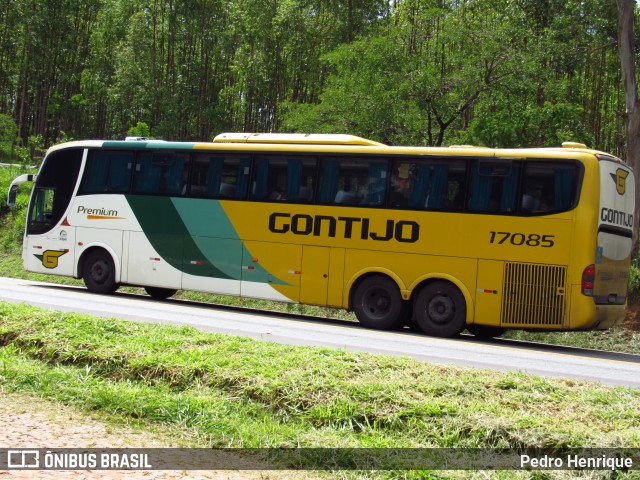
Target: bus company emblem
x,y
620,177
49,258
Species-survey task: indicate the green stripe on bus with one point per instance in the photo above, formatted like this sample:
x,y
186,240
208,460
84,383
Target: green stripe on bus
x,y
196,237
167,233
212,231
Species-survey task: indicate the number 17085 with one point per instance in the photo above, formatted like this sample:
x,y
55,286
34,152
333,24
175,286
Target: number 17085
x,y
525,239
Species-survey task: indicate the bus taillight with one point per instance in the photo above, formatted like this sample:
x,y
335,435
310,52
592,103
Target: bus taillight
x,y
588,277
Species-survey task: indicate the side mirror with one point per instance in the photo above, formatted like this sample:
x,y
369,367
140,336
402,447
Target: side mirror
x,y
13,189
13,193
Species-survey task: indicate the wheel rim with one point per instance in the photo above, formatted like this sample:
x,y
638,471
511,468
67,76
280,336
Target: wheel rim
x,y
377,302
100,271
441,309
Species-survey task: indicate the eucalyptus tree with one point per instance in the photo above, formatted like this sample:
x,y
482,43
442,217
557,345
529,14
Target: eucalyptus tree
x,y
420,76
628,55
51,44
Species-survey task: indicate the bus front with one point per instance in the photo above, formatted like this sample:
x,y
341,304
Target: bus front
x,y
48,243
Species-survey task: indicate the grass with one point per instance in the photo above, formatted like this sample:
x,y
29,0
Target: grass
x,y
239,392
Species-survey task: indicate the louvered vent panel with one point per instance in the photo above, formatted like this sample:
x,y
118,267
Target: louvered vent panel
x,y
533,294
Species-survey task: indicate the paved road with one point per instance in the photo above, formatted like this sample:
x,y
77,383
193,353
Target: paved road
x,y
555,361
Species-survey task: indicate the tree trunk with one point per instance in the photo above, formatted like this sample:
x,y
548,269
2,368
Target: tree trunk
x,y
626,50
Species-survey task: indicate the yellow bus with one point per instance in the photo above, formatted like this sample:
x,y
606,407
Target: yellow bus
x,y
442,238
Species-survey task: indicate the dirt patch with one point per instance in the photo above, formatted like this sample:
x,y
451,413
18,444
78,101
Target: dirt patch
x,y
632,322
29,422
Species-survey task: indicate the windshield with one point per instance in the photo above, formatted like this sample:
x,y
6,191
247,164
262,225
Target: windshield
x,y
53,190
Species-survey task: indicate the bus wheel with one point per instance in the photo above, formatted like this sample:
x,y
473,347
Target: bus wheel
x,y
440,310
485,331
99,273
160,293
378,304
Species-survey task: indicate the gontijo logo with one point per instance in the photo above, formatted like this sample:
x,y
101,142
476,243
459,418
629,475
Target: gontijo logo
x,y
406,231
49,258
98,213
620,178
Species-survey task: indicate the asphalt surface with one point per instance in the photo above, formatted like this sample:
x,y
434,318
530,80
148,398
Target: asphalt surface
x,y
605,367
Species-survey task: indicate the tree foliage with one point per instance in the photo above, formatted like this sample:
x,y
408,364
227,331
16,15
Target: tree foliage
x,y
424,72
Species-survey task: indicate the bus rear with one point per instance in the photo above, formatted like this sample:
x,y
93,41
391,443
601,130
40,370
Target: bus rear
x,y
607,279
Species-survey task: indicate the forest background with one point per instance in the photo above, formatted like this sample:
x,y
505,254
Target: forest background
x,y
499,73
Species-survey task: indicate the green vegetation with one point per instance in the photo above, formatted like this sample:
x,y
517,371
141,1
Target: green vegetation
x,y
240,392
489,72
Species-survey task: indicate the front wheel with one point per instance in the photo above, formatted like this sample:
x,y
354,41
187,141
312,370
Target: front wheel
x,y
99,272
378,304
440,309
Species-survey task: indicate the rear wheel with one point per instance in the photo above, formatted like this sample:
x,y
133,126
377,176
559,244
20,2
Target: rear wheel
x,y
99,273
160,293
378,304
440,309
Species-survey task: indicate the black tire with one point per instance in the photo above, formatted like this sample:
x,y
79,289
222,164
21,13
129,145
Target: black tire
x,y
440,309
99,272
160,293
485,331
377,303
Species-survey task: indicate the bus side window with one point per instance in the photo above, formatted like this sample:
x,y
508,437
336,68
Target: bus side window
x,y
161,173
284,178
353,180
548,187
494,186
175,175
220,176
107,172
430,185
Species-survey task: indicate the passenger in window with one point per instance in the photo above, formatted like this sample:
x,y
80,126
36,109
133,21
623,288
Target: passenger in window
x,y
455,198
529,202
544,202
227,190
400,184
404,171
278,194
397,198
543,206
305,194
346,195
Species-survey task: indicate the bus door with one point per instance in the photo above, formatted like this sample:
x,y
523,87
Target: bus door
x,y
322,276
50,251
315,275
